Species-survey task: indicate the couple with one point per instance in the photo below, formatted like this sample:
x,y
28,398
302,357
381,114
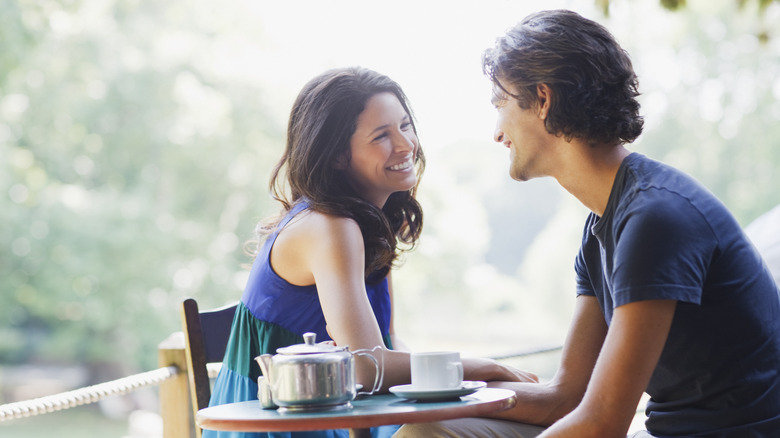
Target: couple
x,y
672,299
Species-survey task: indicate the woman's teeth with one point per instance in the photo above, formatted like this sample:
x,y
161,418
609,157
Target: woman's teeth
x,y
401,166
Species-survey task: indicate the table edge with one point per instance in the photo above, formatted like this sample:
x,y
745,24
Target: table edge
x,y
325,423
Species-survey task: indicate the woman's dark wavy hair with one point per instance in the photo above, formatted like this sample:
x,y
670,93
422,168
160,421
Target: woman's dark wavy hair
x,y
322,121
594,87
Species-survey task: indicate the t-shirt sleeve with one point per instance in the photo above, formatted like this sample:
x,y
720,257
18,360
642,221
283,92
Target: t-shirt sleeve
x,y
663,248
584,284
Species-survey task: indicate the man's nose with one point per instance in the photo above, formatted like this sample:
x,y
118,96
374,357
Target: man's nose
x,y
498,135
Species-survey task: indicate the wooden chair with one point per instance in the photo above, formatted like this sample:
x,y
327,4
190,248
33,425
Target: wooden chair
x,y
206,336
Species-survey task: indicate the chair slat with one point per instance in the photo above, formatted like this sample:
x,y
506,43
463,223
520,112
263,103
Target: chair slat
x,y
206,335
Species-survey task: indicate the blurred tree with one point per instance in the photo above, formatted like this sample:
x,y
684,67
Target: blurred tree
x,y
131,175
674,5
135,160
714,105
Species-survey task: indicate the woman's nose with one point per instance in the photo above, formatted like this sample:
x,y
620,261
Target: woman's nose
x,y
404,142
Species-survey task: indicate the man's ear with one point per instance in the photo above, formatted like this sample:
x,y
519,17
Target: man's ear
x,y
543,94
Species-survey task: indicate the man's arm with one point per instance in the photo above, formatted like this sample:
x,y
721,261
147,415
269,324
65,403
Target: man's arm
x,y
545,403
631,351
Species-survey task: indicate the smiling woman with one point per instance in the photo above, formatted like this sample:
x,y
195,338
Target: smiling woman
x,y
351,165
382,150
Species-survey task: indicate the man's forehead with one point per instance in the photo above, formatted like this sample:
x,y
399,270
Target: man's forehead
x,y
505,85
502,90
498,95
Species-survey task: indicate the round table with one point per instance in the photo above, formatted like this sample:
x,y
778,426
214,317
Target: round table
x,y
367,411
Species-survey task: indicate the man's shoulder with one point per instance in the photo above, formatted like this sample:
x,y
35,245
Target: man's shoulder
x,y
662,186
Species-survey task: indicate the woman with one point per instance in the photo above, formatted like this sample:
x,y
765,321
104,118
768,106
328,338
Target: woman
x,y
347,183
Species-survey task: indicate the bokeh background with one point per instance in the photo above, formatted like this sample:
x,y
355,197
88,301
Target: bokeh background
x,y
137,138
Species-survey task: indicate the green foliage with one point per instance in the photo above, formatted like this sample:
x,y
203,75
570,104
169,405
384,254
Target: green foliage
x,y
129,177
720,95
674,5
134,163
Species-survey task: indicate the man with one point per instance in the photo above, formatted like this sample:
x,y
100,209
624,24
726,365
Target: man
x,y
672,299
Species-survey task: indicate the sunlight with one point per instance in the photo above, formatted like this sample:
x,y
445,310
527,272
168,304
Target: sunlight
x,y
433,49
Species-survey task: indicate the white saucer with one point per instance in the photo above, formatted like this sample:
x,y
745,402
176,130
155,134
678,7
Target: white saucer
x,y
408,391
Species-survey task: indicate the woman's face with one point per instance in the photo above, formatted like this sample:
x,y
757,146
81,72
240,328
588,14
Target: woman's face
x,y
383,150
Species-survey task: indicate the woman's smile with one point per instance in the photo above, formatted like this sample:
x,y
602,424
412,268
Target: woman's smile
x,y
407,164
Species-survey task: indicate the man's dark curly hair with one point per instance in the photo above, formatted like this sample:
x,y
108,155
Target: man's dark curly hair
x,y
594,87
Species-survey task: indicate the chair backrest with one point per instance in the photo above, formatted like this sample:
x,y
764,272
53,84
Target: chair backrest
x,y
206,336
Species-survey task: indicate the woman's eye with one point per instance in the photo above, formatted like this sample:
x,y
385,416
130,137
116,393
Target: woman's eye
x,y
405,126
380,136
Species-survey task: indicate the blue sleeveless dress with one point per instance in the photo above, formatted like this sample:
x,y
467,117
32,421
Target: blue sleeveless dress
x,y
273,313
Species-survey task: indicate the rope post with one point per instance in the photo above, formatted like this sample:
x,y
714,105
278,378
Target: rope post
x,y
174,393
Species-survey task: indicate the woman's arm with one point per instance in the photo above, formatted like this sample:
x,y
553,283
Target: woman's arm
x,y
331,249
328,251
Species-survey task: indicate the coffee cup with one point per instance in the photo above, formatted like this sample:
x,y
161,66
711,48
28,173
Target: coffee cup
x,y
436,370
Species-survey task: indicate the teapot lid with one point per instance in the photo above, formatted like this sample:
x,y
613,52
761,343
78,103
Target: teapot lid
x,y
309,346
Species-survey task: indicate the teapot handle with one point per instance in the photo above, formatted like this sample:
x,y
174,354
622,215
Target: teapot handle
x,y
379,377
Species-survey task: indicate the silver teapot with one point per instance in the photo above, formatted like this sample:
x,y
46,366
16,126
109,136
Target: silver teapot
x,y
312,375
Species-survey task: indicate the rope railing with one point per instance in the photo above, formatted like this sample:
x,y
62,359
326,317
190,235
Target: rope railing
x,y
94,393
526,353
86,395
175,408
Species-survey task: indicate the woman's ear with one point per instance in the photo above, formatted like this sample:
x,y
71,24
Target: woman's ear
x,y
341,162
543,94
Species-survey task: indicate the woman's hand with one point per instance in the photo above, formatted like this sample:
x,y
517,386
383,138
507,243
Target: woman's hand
x,y
489,370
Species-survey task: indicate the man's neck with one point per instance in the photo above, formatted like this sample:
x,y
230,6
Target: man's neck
x,y
589,172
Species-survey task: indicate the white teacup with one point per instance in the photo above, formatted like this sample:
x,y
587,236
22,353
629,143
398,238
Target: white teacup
x,y
436,370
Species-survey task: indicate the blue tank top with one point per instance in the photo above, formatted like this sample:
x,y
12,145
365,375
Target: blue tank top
x,y
274,313
271,298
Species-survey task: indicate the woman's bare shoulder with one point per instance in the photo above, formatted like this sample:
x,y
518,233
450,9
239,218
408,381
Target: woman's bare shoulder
x,y
312,238
315,225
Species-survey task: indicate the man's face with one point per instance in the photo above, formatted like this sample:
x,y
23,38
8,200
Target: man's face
x,y
522,131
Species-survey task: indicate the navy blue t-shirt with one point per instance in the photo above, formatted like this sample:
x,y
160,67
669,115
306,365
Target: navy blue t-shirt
x,y
664,236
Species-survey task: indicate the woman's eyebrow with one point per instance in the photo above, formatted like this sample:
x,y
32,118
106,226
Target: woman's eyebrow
x,y
379,128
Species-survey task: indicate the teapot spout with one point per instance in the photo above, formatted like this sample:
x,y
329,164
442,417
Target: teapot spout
x,y
264,360
264,392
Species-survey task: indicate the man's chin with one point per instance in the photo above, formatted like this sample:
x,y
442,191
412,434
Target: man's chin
x,y
518,176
